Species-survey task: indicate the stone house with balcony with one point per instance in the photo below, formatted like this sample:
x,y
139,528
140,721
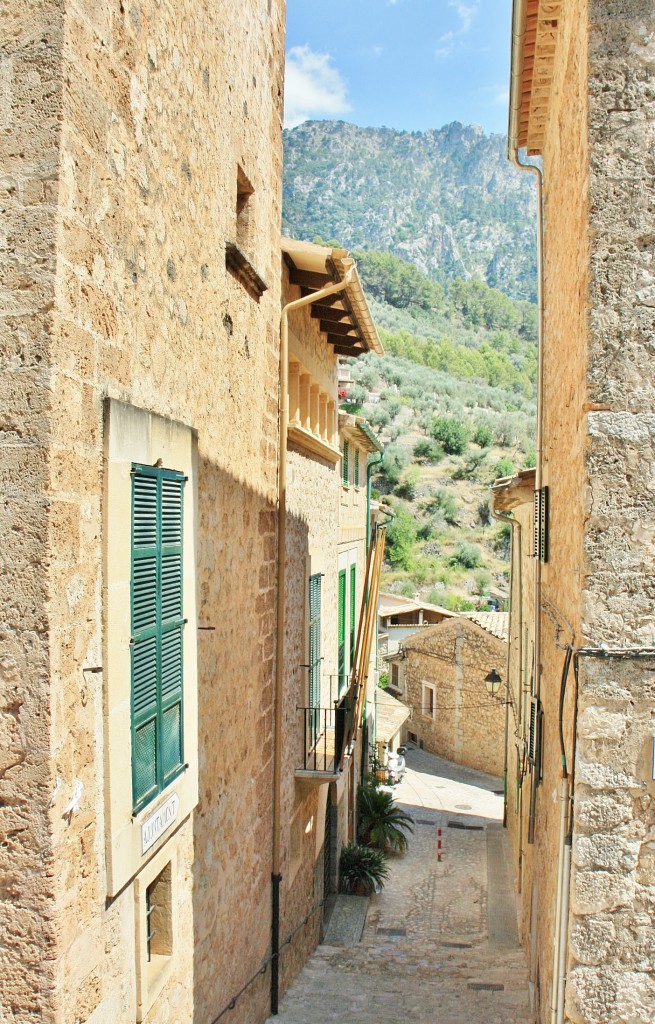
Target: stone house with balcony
x,y
325,582
439,674
582,639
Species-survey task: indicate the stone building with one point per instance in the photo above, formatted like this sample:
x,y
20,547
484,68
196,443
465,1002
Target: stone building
x,y
440,674
325,572
150,738
140,344
582,100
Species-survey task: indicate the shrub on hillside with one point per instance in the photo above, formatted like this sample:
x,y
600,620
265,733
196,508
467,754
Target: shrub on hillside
x,y
452,433
504,467
444,502
408,485
467,555
428,451
505,431
483,435
455,603
401,537
482,583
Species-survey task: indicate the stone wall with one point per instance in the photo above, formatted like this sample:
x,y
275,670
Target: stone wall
x,y
613,884
467,726
30,109
598,454
136,119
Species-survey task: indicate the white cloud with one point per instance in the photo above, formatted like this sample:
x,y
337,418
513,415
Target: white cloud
x,y
313,87
467,14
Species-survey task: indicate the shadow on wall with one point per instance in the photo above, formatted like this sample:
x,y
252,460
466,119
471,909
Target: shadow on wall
x,y
236,555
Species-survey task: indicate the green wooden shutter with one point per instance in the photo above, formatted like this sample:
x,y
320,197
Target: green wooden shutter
x,y
157,624
342,630
314,652
344,465
356,467
353,600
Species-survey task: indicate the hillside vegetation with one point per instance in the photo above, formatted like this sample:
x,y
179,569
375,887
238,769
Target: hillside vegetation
x,y
453,402
443,230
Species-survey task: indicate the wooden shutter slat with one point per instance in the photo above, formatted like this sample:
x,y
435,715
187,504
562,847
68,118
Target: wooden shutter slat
x,y
157,624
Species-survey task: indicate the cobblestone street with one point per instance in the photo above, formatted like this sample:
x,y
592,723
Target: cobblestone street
x,y
440,942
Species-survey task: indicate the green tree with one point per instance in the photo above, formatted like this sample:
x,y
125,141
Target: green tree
x,y
452,433
401,537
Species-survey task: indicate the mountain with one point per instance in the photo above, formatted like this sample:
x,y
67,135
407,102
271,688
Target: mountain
x,y
446,200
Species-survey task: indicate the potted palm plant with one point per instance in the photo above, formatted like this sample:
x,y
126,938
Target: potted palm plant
x,y
382,824
362,870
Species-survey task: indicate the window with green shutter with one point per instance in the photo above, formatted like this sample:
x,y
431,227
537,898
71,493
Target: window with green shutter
x,y
353,600
315,653
342,631
344,465
356,467
157,625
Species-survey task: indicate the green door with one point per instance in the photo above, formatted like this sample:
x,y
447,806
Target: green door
x,y
342,631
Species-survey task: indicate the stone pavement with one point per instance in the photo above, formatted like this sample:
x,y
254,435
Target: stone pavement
x,y
440,943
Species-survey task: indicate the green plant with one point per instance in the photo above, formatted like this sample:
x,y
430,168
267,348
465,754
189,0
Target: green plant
x,y
445,503
406,589
408,485
467,555
428,451
452,433
362,869
483,435
382,824
401,537
504,467
482,583
383,681
455,603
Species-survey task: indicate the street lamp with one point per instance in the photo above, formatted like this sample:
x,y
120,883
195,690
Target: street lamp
x,y
492,682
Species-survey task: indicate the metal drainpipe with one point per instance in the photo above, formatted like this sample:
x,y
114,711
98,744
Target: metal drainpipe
x,y
515,527
369,475
516,64
276,877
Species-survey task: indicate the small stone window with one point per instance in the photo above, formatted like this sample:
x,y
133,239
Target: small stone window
x,y
428,701
159,919
244,210
238,250
156,928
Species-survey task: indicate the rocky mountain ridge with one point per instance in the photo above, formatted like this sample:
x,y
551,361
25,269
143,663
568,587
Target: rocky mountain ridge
x,y
446,200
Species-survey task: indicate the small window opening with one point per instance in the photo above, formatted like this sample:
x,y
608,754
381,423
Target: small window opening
x,y
243,210
159,917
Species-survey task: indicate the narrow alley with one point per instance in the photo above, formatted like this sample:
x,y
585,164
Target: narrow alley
x,y
440,942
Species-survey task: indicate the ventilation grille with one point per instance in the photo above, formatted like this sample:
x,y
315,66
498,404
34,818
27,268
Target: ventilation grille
x,y
540,524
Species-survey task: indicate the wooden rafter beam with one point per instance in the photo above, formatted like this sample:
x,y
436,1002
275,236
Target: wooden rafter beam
x,y
350,350
309,279
342,330
320,312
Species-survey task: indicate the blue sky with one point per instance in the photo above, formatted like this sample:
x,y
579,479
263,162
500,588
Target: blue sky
x,y
405,64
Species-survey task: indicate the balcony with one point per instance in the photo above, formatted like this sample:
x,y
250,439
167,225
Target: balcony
x,y
326,732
